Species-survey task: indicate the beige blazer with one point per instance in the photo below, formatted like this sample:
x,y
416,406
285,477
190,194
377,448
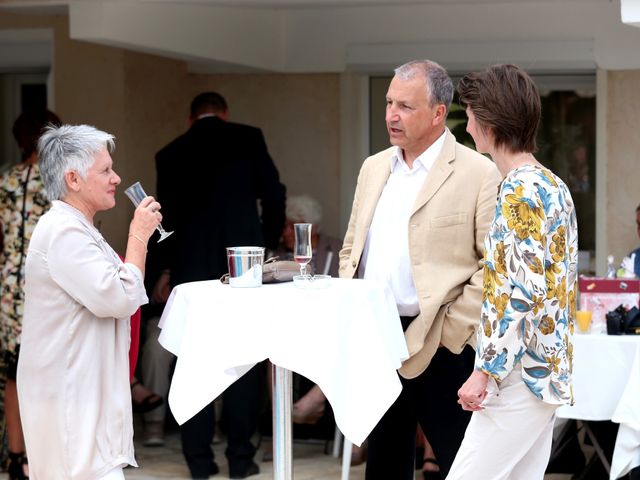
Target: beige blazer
x,y
450,218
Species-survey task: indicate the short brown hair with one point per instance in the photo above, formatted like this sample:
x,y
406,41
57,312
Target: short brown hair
x,y
29,126
506,102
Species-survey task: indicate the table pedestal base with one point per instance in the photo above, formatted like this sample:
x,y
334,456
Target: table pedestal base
x,y
282,427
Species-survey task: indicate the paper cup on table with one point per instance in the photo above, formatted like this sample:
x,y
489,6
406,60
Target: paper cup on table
x,y
583,319
245,266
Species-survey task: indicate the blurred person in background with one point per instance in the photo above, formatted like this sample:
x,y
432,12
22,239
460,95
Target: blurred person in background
x,y
210,181
22,203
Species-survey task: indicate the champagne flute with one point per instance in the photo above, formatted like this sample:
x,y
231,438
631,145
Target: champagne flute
x,y
302,252
136,194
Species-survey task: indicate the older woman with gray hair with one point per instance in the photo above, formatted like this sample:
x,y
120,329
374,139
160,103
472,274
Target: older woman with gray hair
x,y
73,370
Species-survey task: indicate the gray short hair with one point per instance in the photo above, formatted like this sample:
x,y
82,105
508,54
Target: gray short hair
x,y
304,208
68,147
439,84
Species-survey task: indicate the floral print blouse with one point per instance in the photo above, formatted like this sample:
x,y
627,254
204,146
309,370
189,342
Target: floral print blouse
x,y
19,213
530,275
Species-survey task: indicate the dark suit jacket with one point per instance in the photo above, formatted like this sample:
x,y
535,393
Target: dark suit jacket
x,y
210,180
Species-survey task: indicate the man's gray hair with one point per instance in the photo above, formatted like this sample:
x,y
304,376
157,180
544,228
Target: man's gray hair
x,y
304,208
65,148
439,84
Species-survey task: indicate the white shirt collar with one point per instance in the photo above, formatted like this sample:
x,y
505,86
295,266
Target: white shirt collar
x,y
424,160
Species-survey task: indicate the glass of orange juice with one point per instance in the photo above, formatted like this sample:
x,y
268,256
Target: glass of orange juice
x,y
583,318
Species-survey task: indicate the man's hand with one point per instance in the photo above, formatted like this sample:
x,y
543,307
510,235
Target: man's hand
x,y
473,391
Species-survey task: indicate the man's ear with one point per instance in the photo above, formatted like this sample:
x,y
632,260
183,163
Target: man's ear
x,y
72,179
440,115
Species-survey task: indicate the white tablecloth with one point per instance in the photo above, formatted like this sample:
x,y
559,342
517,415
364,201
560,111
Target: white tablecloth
x,y
347,338
606,386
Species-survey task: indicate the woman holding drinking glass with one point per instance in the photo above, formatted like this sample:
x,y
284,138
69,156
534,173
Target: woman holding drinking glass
x,y
73,370
524,347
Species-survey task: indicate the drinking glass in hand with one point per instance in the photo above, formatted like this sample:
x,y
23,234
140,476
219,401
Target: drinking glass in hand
x,y
136,194
302,252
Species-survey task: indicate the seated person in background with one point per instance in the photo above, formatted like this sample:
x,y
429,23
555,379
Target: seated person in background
x,y
310,407
306,209
425,458
142,399
155,362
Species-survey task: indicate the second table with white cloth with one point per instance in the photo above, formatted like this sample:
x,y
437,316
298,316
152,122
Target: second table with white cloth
x,y
606,386
347,338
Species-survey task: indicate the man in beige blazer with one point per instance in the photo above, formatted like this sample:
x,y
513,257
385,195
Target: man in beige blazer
x,y
420,213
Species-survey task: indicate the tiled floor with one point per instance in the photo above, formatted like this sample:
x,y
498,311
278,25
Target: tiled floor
x,y
310,463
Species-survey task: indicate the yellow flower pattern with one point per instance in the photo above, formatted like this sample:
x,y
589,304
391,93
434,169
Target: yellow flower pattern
x,y
13,185
522,218
530,279
547,325
500,259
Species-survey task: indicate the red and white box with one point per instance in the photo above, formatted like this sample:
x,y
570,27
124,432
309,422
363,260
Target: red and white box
x,y
602,295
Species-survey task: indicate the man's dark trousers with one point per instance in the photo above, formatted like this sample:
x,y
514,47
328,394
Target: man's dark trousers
x,y
431,400
239,423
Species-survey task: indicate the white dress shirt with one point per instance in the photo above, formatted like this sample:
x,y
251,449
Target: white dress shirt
x,y
385,257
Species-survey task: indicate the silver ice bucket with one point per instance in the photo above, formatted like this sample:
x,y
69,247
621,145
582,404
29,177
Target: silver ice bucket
x,y
245,266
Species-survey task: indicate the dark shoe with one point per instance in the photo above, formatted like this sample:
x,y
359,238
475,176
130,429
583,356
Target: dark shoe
x,y
17,463
148,403
432,474
214,470
253,469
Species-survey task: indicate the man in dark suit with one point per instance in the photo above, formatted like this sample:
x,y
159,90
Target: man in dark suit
x,y
209,182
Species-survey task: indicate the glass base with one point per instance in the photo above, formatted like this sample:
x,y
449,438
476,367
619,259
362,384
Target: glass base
x,y
164,235
311,281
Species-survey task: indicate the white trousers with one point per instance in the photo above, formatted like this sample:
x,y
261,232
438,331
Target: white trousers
x,y
115,474
510,439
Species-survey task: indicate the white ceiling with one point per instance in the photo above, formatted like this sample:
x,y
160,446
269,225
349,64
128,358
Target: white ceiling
x,y
357,35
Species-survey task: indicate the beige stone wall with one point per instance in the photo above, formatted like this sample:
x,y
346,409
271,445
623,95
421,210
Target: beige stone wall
x,y
623,164
143,100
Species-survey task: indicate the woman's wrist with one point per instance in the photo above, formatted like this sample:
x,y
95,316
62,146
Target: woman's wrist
x,y
139,239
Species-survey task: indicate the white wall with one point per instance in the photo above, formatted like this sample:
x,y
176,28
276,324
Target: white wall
x,y
540,35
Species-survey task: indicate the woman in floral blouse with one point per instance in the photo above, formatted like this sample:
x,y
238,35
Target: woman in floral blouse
x,y
22,203
524,345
